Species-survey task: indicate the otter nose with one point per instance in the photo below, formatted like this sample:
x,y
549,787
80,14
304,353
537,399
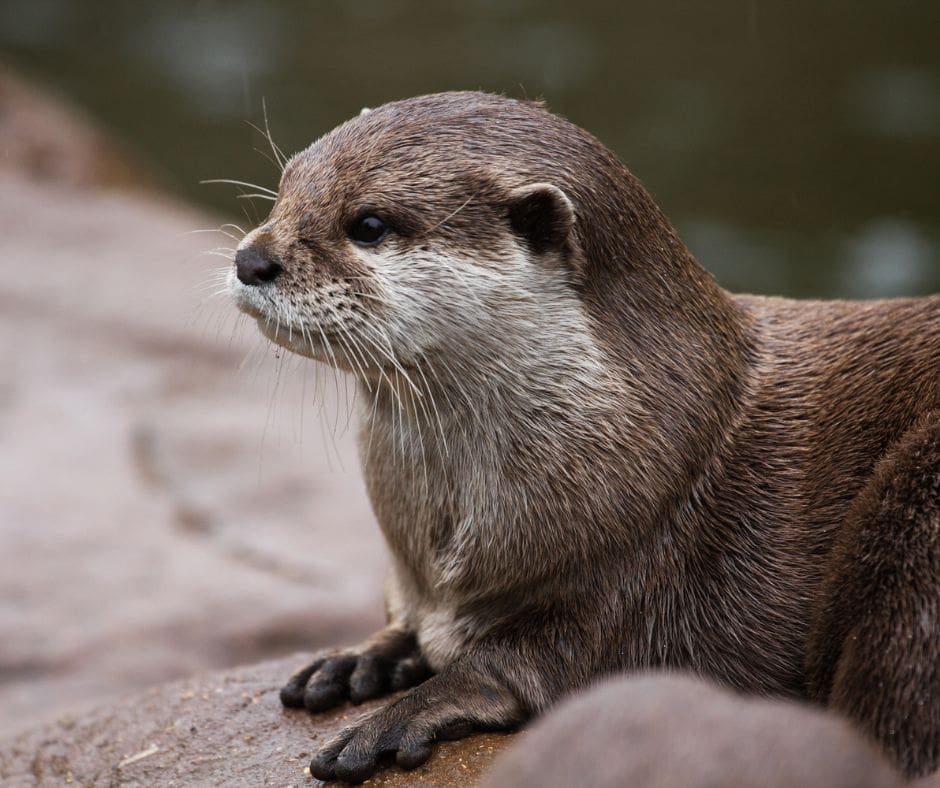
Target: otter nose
x,y
254,268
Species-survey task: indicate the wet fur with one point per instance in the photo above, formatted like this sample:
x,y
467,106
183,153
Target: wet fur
x,y
585,456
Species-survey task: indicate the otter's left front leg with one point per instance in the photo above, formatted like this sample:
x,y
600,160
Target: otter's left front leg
x,y
474,693
874,648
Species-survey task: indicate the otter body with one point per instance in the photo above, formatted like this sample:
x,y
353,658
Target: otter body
x,y
585,456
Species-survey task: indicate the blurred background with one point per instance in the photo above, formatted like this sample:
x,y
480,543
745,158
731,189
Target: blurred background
x,y
796,145
177,496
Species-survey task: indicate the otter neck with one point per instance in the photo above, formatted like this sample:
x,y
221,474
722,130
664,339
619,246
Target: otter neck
x,y
507,441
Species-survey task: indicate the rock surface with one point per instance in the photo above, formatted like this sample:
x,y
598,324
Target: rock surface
x,y
172,498
221,729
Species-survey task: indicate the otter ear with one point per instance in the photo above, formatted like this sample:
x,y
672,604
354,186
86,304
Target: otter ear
x,y
542,214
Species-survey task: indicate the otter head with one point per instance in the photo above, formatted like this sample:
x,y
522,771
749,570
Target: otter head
x,y
490,240
416,229
485,249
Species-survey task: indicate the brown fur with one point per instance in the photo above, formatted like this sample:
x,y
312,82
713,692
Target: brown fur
x,y
611,463
662,731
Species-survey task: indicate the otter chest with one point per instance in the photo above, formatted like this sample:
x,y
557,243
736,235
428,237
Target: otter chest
x,y
440,636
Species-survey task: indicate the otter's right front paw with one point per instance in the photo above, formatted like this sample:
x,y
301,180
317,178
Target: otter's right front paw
x,y
388,662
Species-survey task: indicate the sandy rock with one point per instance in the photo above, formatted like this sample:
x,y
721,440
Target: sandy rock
x,y
221,729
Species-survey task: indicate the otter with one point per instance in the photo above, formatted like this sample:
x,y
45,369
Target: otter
x,y
671,731
584,455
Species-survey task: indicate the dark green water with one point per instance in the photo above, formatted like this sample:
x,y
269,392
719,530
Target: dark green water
x,y
795,144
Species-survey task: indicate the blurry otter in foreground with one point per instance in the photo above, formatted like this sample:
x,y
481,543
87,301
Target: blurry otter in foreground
x,y
662,731
584,455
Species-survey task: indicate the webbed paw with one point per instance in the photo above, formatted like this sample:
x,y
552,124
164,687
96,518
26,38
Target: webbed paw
x,y
389,662
406,729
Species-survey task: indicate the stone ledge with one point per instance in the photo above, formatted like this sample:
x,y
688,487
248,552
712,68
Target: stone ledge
x,y
224,728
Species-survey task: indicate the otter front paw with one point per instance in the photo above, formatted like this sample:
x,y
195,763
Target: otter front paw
x,y
387,662
446,706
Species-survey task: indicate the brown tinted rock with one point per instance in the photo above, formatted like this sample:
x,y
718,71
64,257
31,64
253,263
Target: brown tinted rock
x,y
661,731
221,729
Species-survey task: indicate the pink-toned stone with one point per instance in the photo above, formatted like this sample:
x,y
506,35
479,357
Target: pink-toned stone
x,y
168,502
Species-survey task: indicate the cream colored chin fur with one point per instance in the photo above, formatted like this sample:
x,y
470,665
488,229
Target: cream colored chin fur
x,y
469,318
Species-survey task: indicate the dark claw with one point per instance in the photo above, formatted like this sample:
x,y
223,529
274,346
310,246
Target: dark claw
x,y
411,756
330,684
354,767
292,693
320,697
369,679
409,672
323,765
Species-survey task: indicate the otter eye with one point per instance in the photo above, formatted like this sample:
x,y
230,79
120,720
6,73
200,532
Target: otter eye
x,y
368,230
